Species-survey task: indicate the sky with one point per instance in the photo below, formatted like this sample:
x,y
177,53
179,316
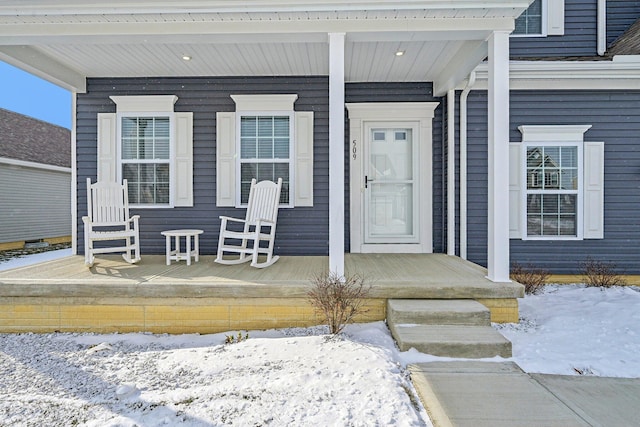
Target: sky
x,y
32,96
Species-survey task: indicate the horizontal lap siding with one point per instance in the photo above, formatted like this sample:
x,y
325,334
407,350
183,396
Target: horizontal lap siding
x,y
620,15
615,119
579,39
302,230
35,204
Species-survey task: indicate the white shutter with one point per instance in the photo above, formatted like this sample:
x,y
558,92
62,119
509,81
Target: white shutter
x,y
555,17
183,160
593,211
303,158
515,191
225,159
107,147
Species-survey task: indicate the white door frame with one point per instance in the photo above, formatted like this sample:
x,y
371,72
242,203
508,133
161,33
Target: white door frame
x,y
362,114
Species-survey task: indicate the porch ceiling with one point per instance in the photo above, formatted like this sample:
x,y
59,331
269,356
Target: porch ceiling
x,y
67,41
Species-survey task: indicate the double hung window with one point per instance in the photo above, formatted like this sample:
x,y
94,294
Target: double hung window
x,y
151,146
145,158
265,152
553,190
556,184
265,139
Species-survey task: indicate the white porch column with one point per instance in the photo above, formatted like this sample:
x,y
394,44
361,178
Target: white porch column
x,y
336,153
498,157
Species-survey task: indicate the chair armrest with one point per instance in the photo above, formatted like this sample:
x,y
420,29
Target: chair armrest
x,y
134,218
228,218
86,220
264,221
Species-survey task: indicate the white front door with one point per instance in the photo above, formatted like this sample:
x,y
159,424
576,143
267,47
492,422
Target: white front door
x,y
390,211
390,177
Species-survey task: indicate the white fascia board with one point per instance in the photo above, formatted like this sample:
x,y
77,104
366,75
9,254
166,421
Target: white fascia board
x,y
33,165
31,60
116,7
200,31
574,75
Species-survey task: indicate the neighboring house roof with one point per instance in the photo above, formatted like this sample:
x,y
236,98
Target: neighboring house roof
x,y
628,43
32,140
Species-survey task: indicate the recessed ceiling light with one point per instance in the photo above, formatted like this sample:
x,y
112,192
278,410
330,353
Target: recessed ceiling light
x,y
186,57
399,52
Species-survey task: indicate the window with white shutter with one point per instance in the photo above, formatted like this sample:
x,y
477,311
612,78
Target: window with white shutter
x,y
264,139
556,184
542,18
151,147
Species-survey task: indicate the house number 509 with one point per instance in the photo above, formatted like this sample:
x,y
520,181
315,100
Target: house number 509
x,y
354,150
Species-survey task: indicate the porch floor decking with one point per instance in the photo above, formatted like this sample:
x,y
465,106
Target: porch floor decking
x,y
421,276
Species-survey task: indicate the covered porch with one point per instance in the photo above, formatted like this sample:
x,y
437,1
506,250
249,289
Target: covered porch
x,y
113,296
363,42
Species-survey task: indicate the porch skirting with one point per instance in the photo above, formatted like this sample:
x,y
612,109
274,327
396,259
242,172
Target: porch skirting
x,y
182,315
113,296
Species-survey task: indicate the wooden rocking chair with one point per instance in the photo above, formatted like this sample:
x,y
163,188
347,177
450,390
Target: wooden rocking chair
x,y
262,214
108,219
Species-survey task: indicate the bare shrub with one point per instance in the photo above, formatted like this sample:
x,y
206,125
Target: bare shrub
x,y
533,278
339,299
601,274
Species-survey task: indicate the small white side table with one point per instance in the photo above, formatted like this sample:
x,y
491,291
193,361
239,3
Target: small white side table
x,y
190,251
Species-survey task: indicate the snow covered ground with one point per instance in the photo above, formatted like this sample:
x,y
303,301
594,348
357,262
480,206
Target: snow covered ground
x,y
289,377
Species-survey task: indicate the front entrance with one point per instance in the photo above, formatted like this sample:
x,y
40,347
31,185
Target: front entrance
x,y
390,177
390,213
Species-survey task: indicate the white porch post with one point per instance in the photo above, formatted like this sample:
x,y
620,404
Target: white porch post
x,y
498,157
336,153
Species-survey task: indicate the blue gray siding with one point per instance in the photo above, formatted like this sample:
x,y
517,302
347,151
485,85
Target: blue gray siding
x,y
579,39
615,119
301,231
620,15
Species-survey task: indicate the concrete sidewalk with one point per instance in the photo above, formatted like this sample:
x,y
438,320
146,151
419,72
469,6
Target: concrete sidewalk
x,y
477,394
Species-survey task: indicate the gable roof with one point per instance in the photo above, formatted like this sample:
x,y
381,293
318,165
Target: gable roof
x,y
32,140
628,43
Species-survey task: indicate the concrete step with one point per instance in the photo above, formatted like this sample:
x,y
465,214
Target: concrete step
x,y
464,341
438,312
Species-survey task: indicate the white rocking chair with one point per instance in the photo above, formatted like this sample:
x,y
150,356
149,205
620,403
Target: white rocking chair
x,y
262,213
108,219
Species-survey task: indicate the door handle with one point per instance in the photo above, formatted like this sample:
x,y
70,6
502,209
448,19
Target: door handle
x,y
367,181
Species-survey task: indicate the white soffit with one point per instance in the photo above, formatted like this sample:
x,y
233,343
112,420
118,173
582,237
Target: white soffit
x,y
66,41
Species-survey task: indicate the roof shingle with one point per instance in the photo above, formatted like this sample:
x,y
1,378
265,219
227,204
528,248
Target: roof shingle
x,y
628,43
32,140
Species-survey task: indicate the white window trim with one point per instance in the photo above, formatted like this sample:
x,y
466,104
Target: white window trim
x,y
292,153
553,135
227,127
109,166
579,192
169,161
